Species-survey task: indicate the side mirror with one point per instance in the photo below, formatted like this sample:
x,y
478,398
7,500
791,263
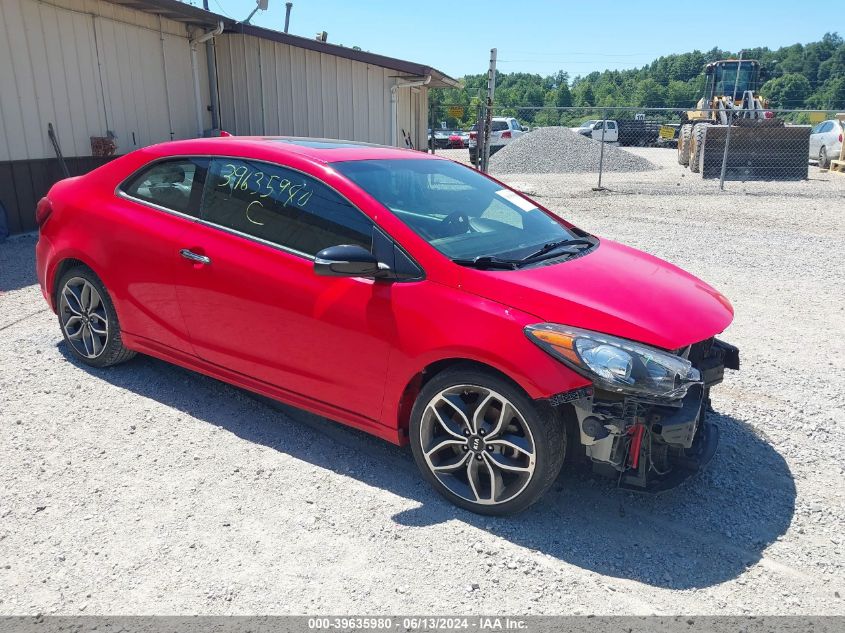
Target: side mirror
x,y
348,260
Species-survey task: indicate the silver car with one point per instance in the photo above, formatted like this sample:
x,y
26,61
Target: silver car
x,y
826,141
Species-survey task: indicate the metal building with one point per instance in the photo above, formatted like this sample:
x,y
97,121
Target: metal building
x,y
115,75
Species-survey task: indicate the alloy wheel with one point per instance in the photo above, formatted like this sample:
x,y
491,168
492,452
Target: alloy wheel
x,y
84,318
477,444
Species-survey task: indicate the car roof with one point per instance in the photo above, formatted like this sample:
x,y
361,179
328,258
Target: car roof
x,y
321,150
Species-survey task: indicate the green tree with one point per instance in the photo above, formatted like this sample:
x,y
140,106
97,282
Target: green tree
x,y
681,94
583,95
563,96
650,94
796,76
830,97
789,91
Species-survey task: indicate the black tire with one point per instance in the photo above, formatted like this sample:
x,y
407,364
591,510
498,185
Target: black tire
x,y
824,160
110,349
683,144
697,147
545,434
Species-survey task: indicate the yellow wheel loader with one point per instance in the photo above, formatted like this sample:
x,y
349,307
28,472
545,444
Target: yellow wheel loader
x,y
760,146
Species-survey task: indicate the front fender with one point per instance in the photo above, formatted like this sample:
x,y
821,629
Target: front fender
x,y
465,327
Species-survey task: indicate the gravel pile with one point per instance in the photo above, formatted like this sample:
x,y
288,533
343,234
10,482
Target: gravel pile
x,y
558,150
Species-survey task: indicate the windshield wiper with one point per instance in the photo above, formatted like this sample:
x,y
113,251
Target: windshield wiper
x,y
489,261
553,246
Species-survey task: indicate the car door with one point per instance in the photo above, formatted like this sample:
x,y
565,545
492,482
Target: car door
x,y
600,131
516,129
611,134
828,136
156,206
814,140
251,299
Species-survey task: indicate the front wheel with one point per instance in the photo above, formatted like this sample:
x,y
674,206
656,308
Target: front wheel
x,y
483,444
696,151
824,161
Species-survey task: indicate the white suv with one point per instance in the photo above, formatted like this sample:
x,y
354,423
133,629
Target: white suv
x,y
502,131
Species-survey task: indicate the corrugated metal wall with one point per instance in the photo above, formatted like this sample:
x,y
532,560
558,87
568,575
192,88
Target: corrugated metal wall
x,y
89,66
267,87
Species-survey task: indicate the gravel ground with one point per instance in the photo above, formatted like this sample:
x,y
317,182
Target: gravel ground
x,y
559,150
148,489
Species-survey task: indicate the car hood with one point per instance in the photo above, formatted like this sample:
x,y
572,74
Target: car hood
x,y
614,289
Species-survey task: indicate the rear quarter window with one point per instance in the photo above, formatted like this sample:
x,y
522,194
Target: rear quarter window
x,y
173,184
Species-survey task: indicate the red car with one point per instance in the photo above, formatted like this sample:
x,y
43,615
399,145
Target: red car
x,y
399,293
456,140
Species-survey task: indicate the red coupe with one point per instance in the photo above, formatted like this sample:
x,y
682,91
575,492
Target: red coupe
x,y
399,293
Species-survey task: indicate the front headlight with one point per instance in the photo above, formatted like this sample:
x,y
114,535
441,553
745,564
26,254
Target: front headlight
x,y
616,364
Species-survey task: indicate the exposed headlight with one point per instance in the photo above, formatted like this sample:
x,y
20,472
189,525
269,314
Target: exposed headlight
x,y
616,364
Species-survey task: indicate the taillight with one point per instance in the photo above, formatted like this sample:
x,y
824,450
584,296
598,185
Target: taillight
x,y
768,114
43,211
473,134
840,138
506,134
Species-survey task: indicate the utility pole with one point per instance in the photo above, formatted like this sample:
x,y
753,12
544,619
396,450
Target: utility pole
x,y
288,7
488,110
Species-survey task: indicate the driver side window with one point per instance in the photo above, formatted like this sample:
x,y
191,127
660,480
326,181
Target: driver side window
x,y
282,206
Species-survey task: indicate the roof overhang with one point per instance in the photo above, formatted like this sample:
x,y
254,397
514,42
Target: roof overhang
x,y
406,68
174,10
183,12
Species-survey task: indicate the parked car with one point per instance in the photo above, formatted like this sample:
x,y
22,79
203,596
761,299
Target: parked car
x,y
441,139
502,131
456,140
399,293
826,141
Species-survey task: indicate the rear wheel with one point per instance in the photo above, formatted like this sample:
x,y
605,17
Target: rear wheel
x,y
824,159
88,319
683,144
697,147
483,444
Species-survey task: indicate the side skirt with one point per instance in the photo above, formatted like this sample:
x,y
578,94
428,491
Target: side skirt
x,y
349,418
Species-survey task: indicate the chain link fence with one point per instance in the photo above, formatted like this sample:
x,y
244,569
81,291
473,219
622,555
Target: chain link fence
x,y
624,145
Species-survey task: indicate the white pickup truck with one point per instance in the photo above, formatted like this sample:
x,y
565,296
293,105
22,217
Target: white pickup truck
x,y
594,129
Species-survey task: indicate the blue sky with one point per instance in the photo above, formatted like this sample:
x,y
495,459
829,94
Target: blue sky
x,y
539,36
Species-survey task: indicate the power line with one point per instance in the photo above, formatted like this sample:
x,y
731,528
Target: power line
x,y
223,11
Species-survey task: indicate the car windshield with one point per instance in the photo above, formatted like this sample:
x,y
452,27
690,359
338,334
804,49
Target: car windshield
x,y
459,211
588,123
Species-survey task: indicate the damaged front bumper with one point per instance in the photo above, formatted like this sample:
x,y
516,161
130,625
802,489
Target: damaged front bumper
x,y
652,445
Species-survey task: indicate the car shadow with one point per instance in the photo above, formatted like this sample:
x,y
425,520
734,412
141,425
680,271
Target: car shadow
x,y
703,533
17,262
